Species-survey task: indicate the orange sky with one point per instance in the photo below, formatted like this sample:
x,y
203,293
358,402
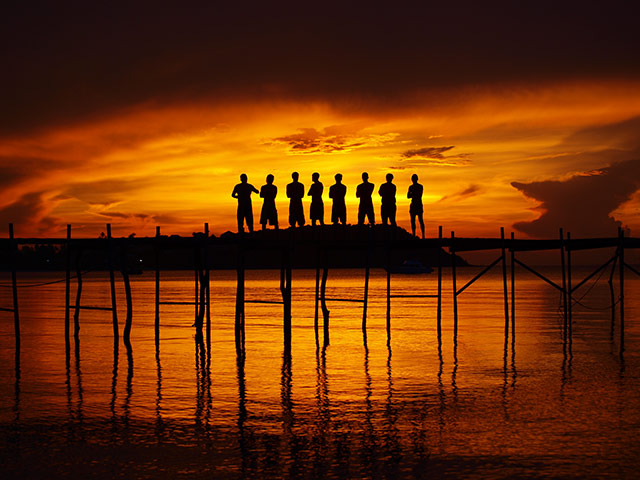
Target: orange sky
x,y
511,116
176,166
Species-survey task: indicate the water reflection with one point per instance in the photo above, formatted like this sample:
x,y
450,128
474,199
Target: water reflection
x,y
203,385
129,389
114,387
159,420
16,400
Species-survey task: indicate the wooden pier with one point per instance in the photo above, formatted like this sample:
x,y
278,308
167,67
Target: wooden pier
x,y
363,246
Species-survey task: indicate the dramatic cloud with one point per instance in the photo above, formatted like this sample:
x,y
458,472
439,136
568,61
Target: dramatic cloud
x,y
330,140
431,156
28,210
470,191
582,204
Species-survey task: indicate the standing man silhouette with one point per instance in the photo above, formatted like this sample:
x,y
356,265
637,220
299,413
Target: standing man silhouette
x,y
295,191
415,209
337,192
364,192
269,213
387,193
316,211
242,192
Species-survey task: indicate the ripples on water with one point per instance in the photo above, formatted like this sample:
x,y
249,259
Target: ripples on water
x,y
361,407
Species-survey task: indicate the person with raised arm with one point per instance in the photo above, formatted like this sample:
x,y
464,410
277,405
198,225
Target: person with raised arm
x,y
415,208
242,191
337,193
316,211
269,214
295,192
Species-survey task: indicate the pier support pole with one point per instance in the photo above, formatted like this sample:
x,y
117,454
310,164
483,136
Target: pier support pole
x,y
317,303
240,299
504,285
388,287
439,307
323,299
513,290
569,289
76,313
621,267
452,250
67,290
207,279
112,282
124,270
157,254
564,284
366,291
285,288
14,286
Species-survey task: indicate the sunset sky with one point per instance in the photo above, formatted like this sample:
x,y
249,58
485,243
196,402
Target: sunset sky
x,y
526,117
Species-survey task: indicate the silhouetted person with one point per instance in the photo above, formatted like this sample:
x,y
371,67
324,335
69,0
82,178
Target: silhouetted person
x,y
316,211
242,192
269,213
295,191
337,192
387,193
415,209
364,192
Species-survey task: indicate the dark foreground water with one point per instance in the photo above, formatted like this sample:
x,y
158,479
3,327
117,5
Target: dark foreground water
x,y
359,408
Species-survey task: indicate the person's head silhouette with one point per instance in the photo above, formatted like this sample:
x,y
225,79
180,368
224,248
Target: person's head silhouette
x,y
269,179
243,178
365,176
295,176
389,177
414,178
315,176
338,177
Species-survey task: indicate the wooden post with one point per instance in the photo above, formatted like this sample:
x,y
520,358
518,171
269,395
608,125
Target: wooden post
x,y
317,304
564,282
621,267
439,307
76,314
240,295
366,291
124,270
67,291
323,299
388,287
157,252
112,282
569,290
285,288
452,250
14,287
513,290
504,285
207,279
196,262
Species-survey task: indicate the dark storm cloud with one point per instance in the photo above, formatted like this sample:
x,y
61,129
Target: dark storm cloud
x,y
583,204
14,170
103,192
431,156
69,61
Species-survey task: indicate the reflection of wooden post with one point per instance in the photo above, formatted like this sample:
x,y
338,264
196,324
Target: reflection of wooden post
x,y
157,252
67,290
14,286
317,304
285,288
452,250
76,314
621,267
504,284
112,281
388,287
564,282
439,308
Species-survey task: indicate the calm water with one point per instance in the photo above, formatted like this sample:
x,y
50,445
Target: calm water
x,y
357,408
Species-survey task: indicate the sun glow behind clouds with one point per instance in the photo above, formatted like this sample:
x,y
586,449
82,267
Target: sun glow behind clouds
x,y
176,166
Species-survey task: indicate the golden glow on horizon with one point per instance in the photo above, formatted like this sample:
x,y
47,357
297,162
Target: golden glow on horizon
x,y
176,166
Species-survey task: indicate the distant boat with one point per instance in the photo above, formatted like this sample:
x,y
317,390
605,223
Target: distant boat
x,y
411,267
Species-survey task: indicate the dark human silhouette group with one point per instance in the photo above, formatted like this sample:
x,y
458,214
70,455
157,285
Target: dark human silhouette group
x,y
337,192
